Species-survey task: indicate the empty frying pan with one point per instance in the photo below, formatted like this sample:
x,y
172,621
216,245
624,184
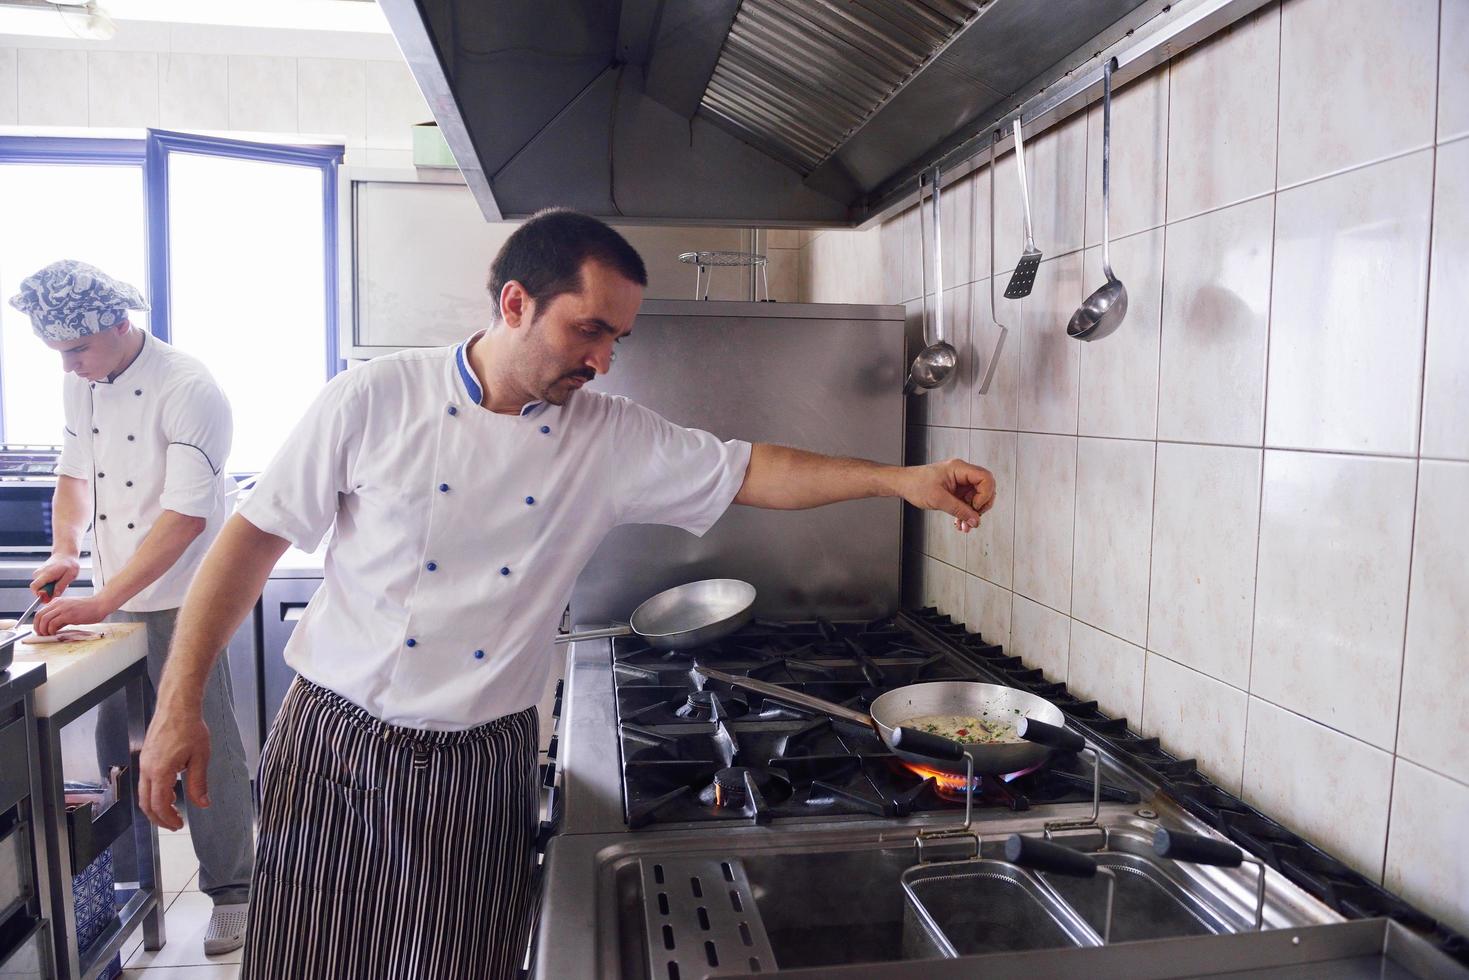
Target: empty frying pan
x,y
684,616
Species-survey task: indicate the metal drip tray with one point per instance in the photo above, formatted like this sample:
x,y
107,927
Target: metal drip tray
x,y
702,920
963,908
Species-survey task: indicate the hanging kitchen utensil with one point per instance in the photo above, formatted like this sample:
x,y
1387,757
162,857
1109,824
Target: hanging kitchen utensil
x,y
1022,280
1104,309
685,616
1004,331
935,363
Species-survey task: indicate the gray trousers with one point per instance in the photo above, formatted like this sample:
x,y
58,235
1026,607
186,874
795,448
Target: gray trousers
x,y
221,832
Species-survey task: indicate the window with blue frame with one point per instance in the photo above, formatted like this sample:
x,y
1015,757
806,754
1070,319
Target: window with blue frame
x,y
60,199
233,242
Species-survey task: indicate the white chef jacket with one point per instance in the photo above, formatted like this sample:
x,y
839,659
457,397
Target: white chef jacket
x,y
155,438
458,532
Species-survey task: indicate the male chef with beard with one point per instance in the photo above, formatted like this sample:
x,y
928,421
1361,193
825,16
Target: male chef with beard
x,y
465,487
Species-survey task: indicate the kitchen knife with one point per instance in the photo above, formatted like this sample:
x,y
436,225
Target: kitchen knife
x,y
50,589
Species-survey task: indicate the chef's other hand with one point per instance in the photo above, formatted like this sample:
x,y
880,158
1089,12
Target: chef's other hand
x,y
58,613
177,742
61,569
961,490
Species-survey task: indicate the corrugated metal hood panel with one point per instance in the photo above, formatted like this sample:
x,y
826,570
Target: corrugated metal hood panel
x,y
720,111
800,77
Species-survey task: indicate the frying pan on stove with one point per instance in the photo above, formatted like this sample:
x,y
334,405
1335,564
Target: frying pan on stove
x,y
685,616
1038,722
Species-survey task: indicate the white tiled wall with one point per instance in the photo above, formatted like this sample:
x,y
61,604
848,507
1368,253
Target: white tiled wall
x,y
1239,520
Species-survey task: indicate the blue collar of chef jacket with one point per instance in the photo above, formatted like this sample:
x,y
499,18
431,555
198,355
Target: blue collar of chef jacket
x,y
472,386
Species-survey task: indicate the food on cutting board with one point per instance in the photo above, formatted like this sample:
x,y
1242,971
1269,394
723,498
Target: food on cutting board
x,y
8,624
67,634
965,728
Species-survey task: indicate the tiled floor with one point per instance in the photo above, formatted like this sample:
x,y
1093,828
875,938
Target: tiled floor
x,y
182,956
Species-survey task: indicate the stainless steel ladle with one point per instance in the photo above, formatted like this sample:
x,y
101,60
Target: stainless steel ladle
x,y
1103,311
935,363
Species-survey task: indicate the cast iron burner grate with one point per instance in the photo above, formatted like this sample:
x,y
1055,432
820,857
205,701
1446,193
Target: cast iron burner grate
x,y
713,706
695,751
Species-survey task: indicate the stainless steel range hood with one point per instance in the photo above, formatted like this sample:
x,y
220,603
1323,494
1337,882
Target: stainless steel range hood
x,y
763,112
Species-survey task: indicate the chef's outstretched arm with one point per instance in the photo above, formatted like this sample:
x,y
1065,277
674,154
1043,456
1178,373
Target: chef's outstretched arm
x,y
781,478
228,583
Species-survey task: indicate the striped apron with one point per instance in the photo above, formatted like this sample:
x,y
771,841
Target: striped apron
x,y
386,852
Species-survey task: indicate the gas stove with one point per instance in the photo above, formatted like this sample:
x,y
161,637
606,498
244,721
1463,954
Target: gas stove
x,y
695,750
723,833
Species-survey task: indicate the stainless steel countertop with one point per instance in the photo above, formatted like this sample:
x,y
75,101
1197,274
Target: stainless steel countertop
x,y
15,568
300,564
588,756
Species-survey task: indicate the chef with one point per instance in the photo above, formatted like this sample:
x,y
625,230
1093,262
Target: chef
x,y
142,462
466,487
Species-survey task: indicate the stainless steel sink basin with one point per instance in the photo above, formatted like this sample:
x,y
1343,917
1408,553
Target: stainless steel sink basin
x,y
834,896
832,906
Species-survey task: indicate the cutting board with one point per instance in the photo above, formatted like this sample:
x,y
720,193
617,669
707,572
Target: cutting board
x,y
74,669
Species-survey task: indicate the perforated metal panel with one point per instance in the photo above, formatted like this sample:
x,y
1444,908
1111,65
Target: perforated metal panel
x,y
702,920
800,77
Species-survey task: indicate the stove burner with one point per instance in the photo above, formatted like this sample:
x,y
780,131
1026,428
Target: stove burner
x,y
712,706
949,785
1011,777
729,787
743,788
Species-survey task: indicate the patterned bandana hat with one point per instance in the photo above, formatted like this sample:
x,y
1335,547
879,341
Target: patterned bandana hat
x,y
71,299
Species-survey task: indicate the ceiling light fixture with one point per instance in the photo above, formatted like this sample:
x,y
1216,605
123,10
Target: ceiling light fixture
x,y
84,19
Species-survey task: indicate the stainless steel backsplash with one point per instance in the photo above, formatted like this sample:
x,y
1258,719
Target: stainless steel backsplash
x,y
818,377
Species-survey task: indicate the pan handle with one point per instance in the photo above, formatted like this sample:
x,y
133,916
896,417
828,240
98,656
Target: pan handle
x,y
924,743
612,631
800,698
1052,735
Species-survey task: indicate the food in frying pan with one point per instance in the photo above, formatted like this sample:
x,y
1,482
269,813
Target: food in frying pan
x,y
970,729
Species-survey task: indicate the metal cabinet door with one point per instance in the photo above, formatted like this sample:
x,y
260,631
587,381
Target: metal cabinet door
x,y
281,604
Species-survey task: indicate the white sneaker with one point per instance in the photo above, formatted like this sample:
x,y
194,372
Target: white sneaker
x,y
226,932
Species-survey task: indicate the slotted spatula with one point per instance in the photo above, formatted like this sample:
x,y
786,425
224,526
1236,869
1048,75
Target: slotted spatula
x,y
1023,278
